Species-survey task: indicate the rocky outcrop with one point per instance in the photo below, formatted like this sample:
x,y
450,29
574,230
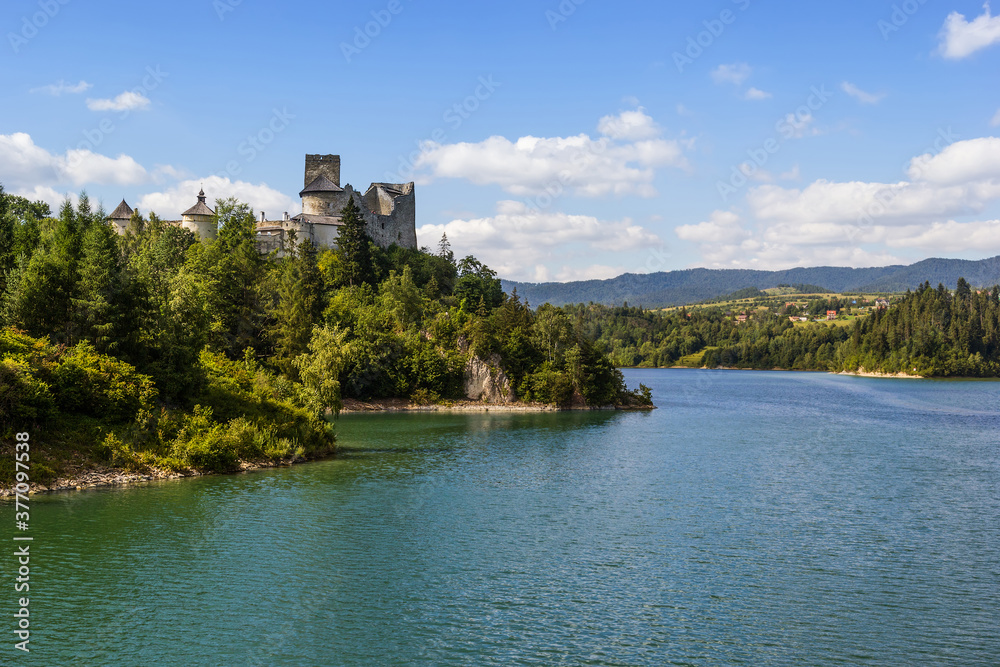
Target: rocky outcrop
x,y
485,381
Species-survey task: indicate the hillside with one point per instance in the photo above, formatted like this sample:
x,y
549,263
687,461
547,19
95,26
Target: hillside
x,y
676,288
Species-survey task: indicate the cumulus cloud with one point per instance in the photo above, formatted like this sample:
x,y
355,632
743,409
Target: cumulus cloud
x,y
169,204
736,73
950,236
723,227
961,38
523,243
63,88
127,101
860,95
861,223
960,162
630,126
25,164
757,94
622,161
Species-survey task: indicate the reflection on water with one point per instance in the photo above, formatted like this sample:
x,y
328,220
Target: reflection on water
x,y
756,518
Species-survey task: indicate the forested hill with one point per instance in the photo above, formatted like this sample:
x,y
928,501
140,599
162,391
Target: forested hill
x,y
676,288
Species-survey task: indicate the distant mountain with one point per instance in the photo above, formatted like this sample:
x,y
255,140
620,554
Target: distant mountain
x,y
675,288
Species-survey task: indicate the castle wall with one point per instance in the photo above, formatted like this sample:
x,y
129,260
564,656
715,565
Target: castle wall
x,y
325,236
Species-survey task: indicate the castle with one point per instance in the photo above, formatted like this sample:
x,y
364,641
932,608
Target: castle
x,y
389,211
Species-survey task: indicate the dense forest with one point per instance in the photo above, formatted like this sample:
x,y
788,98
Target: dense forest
x,y
690,286
155,348
930,332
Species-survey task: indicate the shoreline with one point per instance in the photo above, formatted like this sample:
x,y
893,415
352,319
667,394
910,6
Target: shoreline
x,y
354,406
858,373
108,477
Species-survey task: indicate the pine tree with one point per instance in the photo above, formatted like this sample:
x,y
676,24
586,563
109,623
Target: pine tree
x,y
234,275
352,244
99,285
444,249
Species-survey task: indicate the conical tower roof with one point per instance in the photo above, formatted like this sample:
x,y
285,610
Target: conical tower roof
x,y
123,212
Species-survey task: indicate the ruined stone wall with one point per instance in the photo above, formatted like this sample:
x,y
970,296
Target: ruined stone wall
x,y
399,225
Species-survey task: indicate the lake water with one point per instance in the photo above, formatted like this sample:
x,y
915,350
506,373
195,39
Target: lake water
x,y
755,518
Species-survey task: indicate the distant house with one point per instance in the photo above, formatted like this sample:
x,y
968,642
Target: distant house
x,y
881,303
741,319
831,314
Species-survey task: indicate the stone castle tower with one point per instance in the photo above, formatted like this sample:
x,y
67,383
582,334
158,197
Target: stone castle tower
x,y
200,219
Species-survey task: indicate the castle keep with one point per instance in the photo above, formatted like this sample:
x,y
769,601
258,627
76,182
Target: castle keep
x,y
389,211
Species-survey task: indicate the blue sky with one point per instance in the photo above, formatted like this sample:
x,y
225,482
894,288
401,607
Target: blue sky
x,y
555,141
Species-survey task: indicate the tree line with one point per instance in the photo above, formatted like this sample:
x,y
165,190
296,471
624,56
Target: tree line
x,y
933,332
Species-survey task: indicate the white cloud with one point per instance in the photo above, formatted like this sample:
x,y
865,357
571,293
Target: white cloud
x,y
630,126
127,101
735,73
862,223
960,38
592,272
50,196
623,161
722,227
951,236
171,203
522,243
860,95
960,162
995,121
61,88
757,94
25,164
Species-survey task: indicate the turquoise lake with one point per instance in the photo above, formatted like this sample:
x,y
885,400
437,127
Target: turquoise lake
x,y
753,519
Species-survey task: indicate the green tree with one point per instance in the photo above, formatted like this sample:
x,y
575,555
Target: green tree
x,y
478,284
357,267
99,288
234,274
295,305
